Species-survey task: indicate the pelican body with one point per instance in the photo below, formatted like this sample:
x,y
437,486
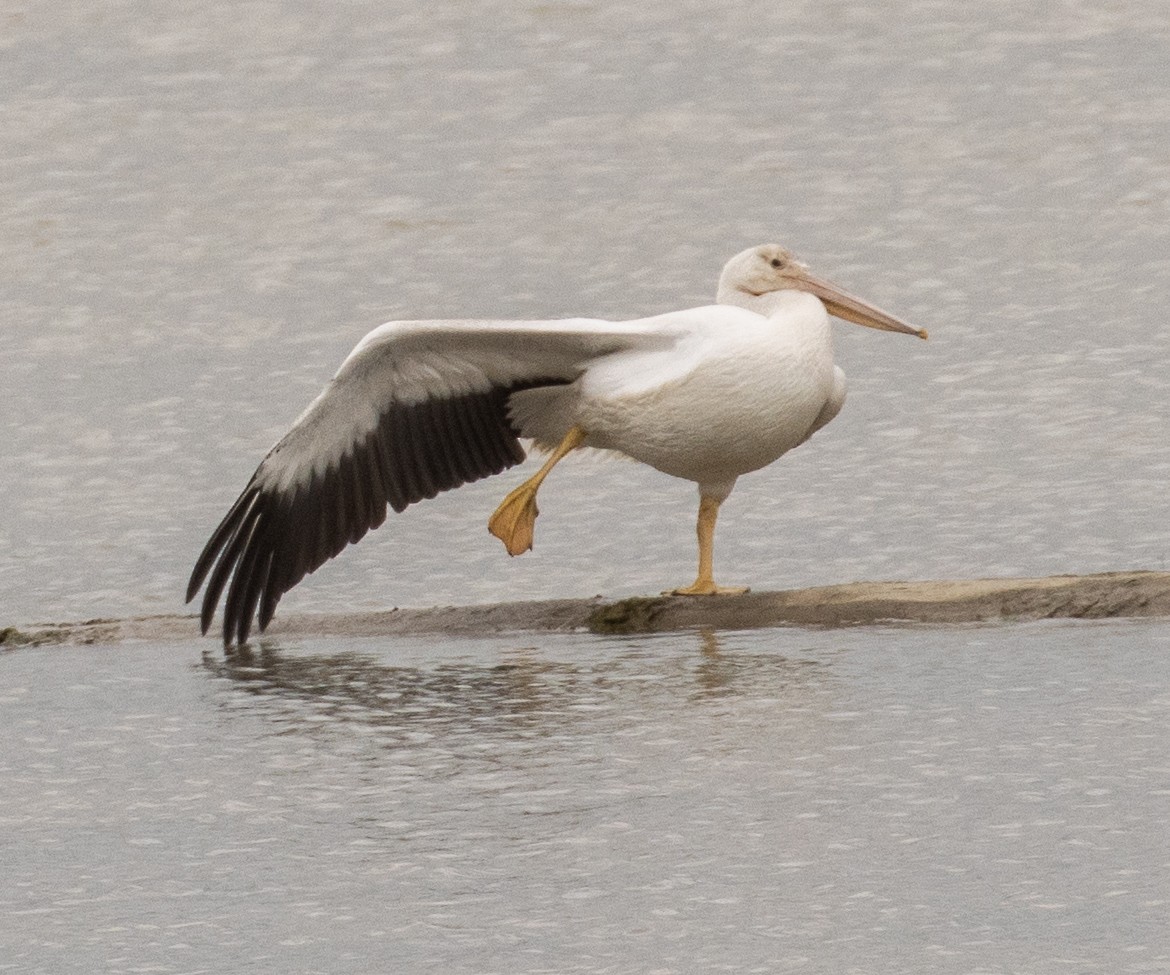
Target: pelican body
x,y
704,394
728,373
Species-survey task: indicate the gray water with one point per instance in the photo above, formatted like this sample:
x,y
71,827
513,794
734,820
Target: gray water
x,y
205,206
983,800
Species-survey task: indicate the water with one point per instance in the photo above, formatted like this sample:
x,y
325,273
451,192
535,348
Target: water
x,y
206,206
987,799
205,210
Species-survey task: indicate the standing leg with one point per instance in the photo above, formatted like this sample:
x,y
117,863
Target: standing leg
x,y
704,584
514,520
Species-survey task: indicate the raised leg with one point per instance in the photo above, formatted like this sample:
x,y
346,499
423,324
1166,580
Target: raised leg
x,y
704,584
514,520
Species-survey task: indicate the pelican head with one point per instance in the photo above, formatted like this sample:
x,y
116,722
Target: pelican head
x,y
768,268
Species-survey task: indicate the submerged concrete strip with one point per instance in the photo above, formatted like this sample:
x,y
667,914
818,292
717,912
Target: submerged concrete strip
x,y
1112,594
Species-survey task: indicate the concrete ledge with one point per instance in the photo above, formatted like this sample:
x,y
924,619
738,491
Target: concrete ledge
x,y
1114,594
1106,595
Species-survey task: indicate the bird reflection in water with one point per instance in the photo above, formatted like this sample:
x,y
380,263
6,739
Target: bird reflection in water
x,y
520,692
722,670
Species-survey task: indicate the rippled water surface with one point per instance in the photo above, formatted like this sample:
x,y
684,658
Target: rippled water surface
x,y
205,206
980,800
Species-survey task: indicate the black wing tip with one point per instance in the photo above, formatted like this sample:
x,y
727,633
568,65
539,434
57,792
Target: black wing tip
x,y
269,540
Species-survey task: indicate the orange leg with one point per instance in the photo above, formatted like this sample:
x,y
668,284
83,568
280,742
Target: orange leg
x,y
514,521
704,584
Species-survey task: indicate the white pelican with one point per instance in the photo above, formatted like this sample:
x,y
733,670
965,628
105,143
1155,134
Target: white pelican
x,y
705,394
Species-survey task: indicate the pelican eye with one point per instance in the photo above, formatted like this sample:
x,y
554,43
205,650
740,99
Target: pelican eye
x,y
776,262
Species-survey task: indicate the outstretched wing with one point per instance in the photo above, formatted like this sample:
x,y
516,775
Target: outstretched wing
x,y
417,408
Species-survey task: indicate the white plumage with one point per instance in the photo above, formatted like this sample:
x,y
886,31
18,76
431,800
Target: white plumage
x,y
705,394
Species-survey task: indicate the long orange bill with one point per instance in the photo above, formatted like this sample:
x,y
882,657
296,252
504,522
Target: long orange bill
x,y
842,304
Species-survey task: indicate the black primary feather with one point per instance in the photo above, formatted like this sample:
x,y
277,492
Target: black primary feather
x,y
271,539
